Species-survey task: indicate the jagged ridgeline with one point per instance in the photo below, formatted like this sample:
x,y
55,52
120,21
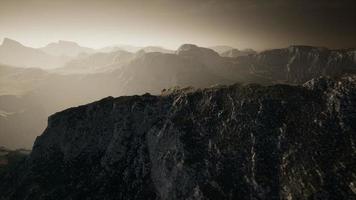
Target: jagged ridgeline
x,y
235,142
95,75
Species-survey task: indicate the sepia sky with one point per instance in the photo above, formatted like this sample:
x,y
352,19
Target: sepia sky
x,y
257,24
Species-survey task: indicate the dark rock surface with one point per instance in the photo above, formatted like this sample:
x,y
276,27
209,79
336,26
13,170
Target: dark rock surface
x,y
235,142
10,159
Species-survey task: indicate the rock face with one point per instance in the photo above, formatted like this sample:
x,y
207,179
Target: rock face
x,y
236,142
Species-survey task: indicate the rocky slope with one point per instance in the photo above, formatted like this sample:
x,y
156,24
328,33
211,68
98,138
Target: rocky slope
x,y
236,142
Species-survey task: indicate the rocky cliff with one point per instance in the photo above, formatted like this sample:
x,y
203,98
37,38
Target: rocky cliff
x,y
228,142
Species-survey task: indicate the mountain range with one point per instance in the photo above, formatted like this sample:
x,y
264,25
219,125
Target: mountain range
x,y
195,123
57,54
15,54
89,77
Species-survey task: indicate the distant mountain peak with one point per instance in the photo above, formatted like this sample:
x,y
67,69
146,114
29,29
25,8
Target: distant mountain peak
x,y
221,48
10,42
156,49
64,43
194,50
66,48
233,53
187,47
304,48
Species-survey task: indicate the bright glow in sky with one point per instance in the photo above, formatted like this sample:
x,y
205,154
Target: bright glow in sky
x,y
170,23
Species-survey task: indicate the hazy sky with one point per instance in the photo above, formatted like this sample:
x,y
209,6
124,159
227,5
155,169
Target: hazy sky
x,y
257,24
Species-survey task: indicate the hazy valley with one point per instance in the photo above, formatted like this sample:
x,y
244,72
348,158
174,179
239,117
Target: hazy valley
x,y
87,77
259,117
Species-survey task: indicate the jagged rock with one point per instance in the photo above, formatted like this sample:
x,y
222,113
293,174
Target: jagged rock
x,y
227,142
